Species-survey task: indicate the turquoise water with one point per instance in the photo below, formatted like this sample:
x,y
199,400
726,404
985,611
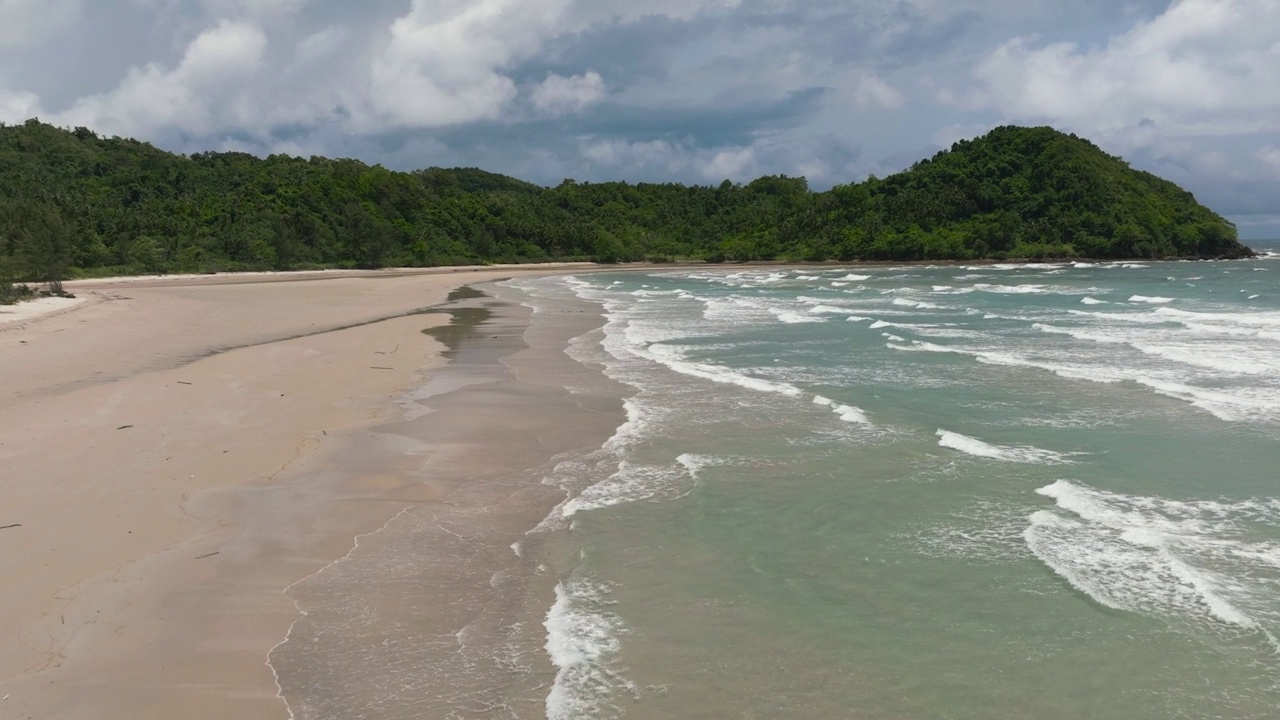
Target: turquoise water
x,y
996,491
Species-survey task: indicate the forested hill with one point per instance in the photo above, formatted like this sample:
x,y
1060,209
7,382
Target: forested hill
x,y
120,205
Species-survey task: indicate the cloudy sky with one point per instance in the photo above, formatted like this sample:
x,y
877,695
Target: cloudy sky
x,y
686,90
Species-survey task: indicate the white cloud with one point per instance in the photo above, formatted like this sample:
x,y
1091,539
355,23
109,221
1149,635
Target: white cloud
x,y
447,62
27,22
17,107
1270,156
872,92
320,45
253,8
559,94
731,163
1203,67
443,63
202,94
622,154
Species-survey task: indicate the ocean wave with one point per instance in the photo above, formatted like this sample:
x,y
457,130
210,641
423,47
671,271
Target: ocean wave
x,y
1008,359
1264,319
1033,289
918,304
672,358
1192,563
1230,404
1092,301
847,413
694,464
1151,300
583,643
827,310
1009,453
630,483
1225,359
791,317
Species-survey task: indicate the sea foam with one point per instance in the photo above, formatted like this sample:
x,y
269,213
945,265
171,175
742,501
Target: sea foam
x,y
672,358
1009,453
1192,563
582,641
847,413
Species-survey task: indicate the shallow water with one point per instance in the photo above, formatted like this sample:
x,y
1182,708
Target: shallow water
x,y
996,491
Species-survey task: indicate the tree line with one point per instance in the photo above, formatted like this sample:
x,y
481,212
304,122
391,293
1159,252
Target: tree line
x,y
73,204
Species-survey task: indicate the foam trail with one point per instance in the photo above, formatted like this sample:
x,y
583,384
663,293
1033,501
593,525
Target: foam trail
x,y
847,413
672,358
794,318
918,304
1151,300
1191,563
978,448
1092,301
694,464
581,641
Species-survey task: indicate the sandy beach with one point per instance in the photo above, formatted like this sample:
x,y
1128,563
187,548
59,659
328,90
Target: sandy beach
x,y
176,452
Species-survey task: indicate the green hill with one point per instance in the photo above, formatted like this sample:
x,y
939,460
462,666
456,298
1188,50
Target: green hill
x,y
115,205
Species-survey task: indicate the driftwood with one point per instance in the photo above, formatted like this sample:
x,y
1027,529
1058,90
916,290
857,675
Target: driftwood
x,y
124,427
201,557
6,527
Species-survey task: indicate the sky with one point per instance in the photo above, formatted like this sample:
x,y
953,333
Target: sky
x,y
693,91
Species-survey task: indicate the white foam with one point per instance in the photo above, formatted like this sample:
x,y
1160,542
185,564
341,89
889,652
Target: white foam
x,y
1269,320
1092,301
1033,289
791,317
919,304
847,413
880,324
673,359
855,278
827,310
582,642
694,464
1151,300
1009,453
1192,563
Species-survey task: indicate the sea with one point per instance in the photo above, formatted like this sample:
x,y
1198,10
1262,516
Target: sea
x,y
985,491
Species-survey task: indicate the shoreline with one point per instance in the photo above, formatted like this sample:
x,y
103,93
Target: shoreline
x,y
153,609
450,613
162,617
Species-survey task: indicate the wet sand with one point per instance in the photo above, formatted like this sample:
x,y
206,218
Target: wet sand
x,y
179,452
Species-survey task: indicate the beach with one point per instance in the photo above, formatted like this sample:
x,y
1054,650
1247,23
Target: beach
x,y
996,490
177,452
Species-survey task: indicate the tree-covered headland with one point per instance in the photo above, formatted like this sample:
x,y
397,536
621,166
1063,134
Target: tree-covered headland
x,y
74,203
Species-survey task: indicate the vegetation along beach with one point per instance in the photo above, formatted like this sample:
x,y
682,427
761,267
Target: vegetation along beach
x,y
575,361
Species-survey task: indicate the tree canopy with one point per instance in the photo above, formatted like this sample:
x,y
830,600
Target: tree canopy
x,y
74,202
